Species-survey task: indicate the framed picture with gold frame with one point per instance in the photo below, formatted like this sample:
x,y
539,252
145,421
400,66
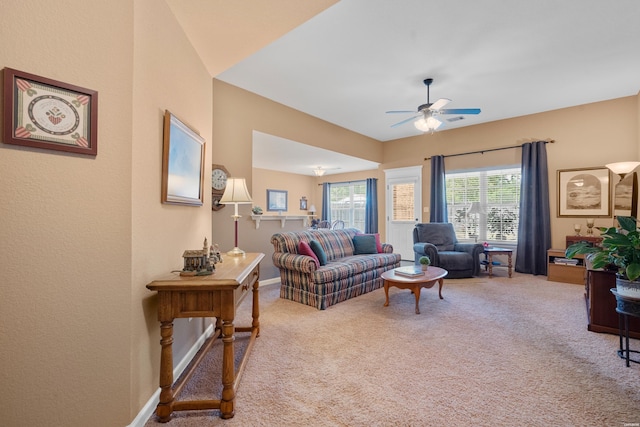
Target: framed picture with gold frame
x,y
182,163
584,192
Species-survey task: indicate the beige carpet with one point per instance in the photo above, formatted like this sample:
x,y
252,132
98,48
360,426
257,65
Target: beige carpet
x,y
494,352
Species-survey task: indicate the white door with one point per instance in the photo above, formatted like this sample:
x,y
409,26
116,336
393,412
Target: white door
x,y
403,203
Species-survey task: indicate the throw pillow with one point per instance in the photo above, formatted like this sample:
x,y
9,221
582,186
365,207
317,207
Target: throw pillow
x,y
378,244
364,244
305,249
317,249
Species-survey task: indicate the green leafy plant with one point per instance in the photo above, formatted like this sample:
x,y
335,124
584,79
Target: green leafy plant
x,y
620,249
425,260
257,210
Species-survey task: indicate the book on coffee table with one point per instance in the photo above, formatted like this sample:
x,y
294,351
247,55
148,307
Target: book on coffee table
x,y
409,271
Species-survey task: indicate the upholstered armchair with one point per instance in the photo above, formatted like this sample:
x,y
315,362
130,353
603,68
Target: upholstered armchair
x,y
438,241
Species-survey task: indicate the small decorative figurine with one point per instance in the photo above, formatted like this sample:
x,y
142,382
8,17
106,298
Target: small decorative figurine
x,y
197,262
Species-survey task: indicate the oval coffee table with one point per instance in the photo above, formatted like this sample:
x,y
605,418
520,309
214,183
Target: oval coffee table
x,y
425,280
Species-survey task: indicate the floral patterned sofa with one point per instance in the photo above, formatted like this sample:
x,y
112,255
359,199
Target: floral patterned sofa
x,y
347,273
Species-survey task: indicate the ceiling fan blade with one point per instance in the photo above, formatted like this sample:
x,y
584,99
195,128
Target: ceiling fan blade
x,y
405,121
460,111
439,104
400,111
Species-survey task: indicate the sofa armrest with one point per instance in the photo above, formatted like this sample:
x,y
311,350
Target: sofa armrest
x,y
387,248
296,262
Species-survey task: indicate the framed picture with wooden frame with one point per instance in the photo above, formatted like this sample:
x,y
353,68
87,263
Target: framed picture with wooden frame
x,y
44,113
182,163
584,192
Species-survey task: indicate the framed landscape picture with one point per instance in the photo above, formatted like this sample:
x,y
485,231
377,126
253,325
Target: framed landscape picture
x,y
182,163
584,192
44,113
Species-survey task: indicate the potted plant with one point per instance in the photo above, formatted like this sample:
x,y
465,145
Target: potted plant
x,y
425,262
257,210
620,251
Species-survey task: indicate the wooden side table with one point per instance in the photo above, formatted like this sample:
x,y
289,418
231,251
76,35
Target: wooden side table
x,y
218,296
490,252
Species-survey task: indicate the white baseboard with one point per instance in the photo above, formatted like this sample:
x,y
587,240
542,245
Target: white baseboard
x,y
149,408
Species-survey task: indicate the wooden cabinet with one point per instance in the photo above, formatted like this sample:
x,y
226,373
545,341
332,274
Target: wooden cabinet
x,y
593,240
565,273
601,304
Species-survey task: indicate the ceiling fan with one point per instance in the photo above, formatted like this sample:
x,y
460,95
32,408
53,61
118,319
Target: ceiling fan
x,y
427,113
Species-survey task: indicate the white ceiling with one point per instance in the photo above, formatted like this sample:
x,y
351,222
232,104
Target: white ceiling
x,y
359,58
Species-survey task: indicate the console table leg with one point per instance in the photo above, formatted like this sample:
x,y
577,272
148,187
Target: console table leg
x,y
255,311
165,405
228,370
510,265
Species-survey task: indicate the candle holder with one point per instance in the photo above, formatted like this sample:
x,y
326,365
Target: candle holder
x,y
577,228
590,223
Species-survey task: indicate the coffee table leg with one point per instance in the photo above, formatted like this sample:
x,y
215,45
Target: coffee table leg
x,y
416,293
386,293
440,283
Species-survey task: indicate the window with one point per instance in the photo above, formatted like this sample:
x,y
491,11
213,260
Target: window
x,y
348,202
484,206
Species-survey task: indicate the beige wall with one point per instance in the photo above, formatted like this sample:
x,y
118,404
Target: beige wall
x,y
578,143
161,232
65,228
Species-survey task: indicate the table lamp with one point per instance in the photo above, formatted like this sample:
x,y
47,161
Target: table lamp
x,y
236,194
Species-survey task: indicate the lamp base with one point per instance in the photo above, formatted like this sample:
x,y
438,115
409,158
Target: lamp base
x,y
236,252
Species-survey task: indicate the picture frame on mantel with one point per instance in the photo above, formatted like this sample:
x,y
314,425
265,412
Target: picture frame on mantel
x,y
45,113
584,192
182,163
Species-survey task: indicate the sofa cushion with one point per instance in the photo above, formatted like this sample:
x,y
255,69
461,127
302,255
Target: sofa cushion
x,y
305,249
352,266
378,243
317,249
364,244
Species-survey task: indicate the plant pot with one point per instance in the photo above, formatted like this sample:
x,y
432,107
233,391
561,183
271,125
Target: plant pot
x,y
628,288
424,267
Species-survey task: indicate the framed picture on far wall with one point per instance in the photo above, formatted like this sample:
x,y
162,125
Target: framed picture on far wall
x,y
584,192
182,163
276,200
625,196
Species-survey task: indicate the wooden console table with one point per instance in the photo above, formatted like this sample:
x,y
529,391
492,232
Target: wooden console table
x,y
217,296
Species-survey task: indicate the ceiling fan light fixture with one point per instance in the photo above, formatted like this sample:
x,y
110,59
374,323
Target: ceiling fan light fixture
x,y
319,171
428,124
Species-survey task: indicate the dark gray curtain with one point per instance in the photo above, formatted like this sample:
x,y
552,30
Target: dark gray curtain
x,y
534,229
438,206
371,208
326,202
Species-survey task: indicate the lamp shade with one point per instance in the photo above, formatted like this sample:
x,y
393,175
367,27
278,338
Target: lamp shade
x,y
476,208
236,192
622,168
312,209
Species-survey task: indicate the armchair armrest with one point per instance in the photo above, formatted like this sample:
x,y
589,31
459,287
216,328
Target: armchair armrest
x,y
295,262
475,249
428,249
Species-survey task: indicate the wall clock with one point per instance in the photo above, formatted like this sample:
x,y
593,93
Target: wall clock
x,y
219,175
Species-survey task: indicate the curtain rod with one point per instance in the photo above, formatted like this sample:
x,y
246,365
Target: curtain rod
x,y
551,141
